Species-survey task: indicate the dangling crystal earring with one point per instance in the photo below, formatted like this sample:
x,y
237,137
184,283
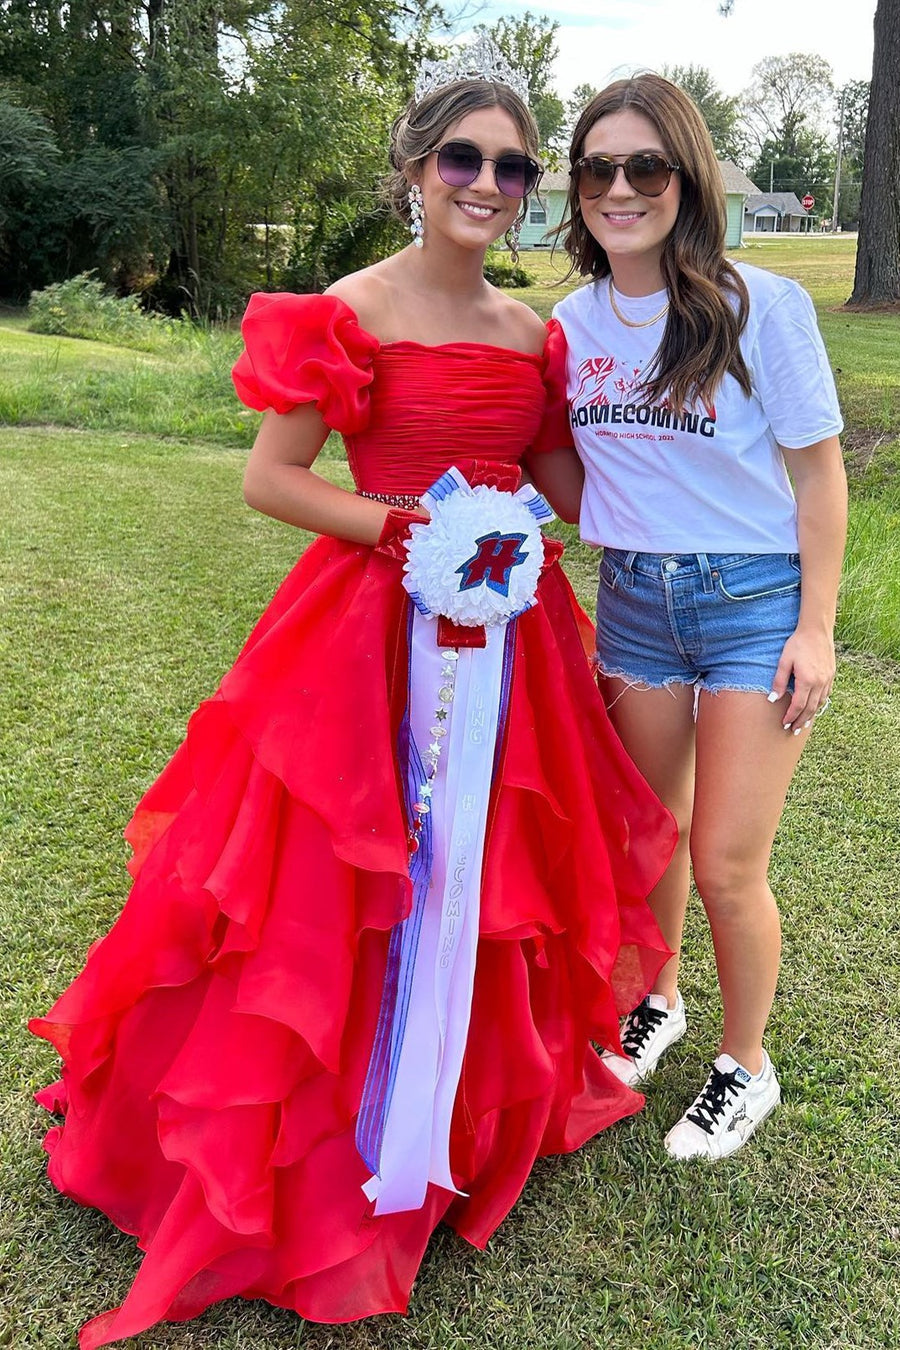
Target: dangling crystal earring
x,y
417,215
512,240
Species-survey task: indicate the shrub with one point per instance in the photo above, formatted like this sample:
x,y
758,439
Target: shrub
x,y
83,307
500,272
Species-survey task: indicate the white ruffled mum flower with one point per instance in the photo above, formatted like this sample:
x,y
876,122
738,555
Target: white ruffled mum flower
x,y
478,560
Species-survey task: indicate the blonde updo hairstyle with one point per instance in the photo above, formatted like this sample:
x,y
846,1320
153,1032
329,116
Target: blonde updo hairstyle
x,y
422,126
708,303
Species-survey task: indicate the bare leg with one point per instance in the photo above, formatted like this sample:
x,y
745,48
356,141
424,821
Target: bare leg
x,y
745,761
656,726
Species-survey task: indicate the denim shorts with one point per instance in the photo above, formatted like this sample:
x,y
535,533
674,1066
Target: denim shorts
x,y
714,620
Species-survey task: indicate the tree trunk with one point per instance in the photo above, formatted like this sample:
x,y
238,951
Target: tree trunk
x,y
155,25
192,235
877,280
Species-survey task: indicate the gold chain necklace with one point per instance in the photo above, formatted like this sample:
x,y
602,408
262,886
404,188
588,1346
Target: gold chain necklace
x,y
630,323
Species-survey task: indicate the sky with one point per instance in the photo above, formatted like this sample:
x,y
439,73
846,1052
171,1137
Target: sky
x,y
600,40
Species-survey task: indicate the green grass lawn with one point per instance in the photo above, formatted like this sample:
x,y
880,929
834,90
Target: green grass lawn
x,y
130,574
98,387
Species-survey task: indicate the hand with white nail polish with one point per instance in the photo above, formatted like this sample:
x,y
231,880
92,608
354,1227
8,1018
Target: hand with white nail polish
x,y
807,658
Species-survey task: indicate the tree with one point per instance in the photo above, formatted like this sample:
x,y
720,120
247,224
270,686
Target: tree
x,y
72,64
804,164
581,96
28,159
529,44
575,105
786,111
326,131
854,98
850,121
788,100
877,280
263,149
720,113
202,140
27,149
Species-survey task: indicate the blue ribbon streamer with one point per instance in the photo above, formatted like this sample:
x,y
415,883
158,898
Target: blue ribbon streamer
x,y
404,941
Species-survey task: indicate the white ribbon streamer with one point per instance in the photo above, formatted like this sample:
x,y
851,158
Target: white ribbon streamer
x,y
416,1145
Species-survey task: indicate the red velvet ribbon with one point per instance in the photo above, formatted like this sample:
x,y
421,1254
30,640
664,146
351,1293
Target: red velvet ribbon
x,y
485,473
450,634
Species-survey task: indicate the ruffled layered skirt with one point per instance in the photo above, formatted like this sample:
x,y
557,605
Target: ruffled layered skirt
x,y
215,1046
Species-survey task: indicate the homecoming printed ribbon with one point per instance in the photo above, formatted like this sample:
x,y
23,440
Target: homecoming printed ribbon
x,y
403,1129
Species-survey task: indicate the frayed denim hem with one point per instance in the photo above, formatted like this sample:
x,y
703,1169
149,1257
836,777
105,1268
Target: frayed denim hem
x,y
734,688
637,681
641,685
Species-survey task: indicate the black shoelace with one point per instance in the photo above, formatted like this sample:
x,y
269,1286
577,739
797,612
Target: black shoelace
x,y
710,1105
638,1026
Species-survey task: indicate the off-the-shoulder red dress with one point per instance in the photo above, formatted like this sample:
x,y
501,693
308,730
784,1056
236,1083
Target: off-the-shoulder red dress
x,y
216,1044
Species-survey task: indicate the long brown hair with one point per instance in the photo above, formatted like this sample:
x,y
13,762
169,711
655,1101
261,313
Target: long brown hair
x,y
708,302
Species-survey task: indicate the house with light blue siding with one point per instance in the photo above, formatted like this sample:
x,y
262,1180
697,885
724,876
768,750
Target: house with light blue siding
x,y
738,187
775,212
545,210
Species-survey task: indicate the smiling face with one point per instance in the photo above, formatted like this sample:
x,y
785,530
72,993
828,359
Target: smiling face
x,y
632,229
476,215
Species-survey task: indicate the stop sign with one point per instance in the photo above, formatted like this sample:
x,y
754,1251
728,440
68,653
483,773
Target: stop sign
x,y
808,202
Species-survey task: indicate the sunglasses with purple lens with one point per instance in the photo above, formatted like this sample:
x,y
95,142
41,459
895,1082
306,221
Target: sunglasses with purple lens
x,y
459,163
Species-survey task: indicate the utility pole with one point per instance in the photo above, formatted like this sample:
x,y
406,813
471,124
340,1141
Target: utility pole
x,y
837,167
771,176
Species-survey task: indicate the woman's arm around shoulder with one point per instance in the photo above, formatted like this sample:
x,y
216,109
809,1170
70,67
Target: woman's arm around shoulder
x,y
554,467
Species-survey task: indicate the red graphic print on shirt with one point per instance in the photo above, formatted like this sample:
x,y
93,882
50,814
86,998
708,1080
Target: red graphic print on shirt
x,y
592,375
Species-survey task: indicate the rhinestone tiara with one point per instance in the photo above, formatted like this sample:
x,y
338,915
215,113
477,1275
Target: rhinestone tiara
x,y
483,60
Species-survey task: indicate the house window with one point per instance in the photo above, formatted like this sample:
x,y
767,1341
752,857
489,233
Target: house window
x,y
537,214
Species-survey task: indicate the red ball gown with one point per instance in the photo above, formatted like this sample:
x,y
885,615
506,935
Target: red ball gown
x,y
215,1046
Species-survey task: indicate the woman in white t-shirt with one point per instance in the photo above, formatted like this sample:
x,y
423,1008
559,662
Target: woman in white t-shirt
x,y
704,411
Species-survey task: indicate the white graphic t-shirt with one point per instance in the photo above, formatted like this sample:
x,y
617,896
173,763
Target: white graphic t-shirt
x,y
713,479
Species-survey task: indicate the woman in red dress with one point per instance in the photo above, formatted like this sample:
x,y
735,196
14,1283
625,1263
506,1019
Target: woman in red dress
x,y
236,1085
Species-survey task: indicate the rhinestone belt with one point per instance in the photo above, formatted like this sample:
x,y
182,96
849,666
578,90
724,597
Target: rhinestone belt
x,y
407,501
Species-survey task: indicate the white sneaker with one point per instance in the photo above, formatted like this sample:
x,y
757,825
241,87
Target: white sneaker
x,y
647,1033
731,1106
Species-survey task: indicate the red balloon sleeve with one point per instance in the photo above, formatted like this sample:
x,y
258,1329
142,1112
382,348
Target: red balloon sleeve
x,y
306,349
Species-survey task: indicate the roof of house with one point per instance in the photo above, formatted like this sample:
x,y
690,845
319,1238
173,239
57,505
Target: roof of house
x,y
557,180
735,179
785,203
